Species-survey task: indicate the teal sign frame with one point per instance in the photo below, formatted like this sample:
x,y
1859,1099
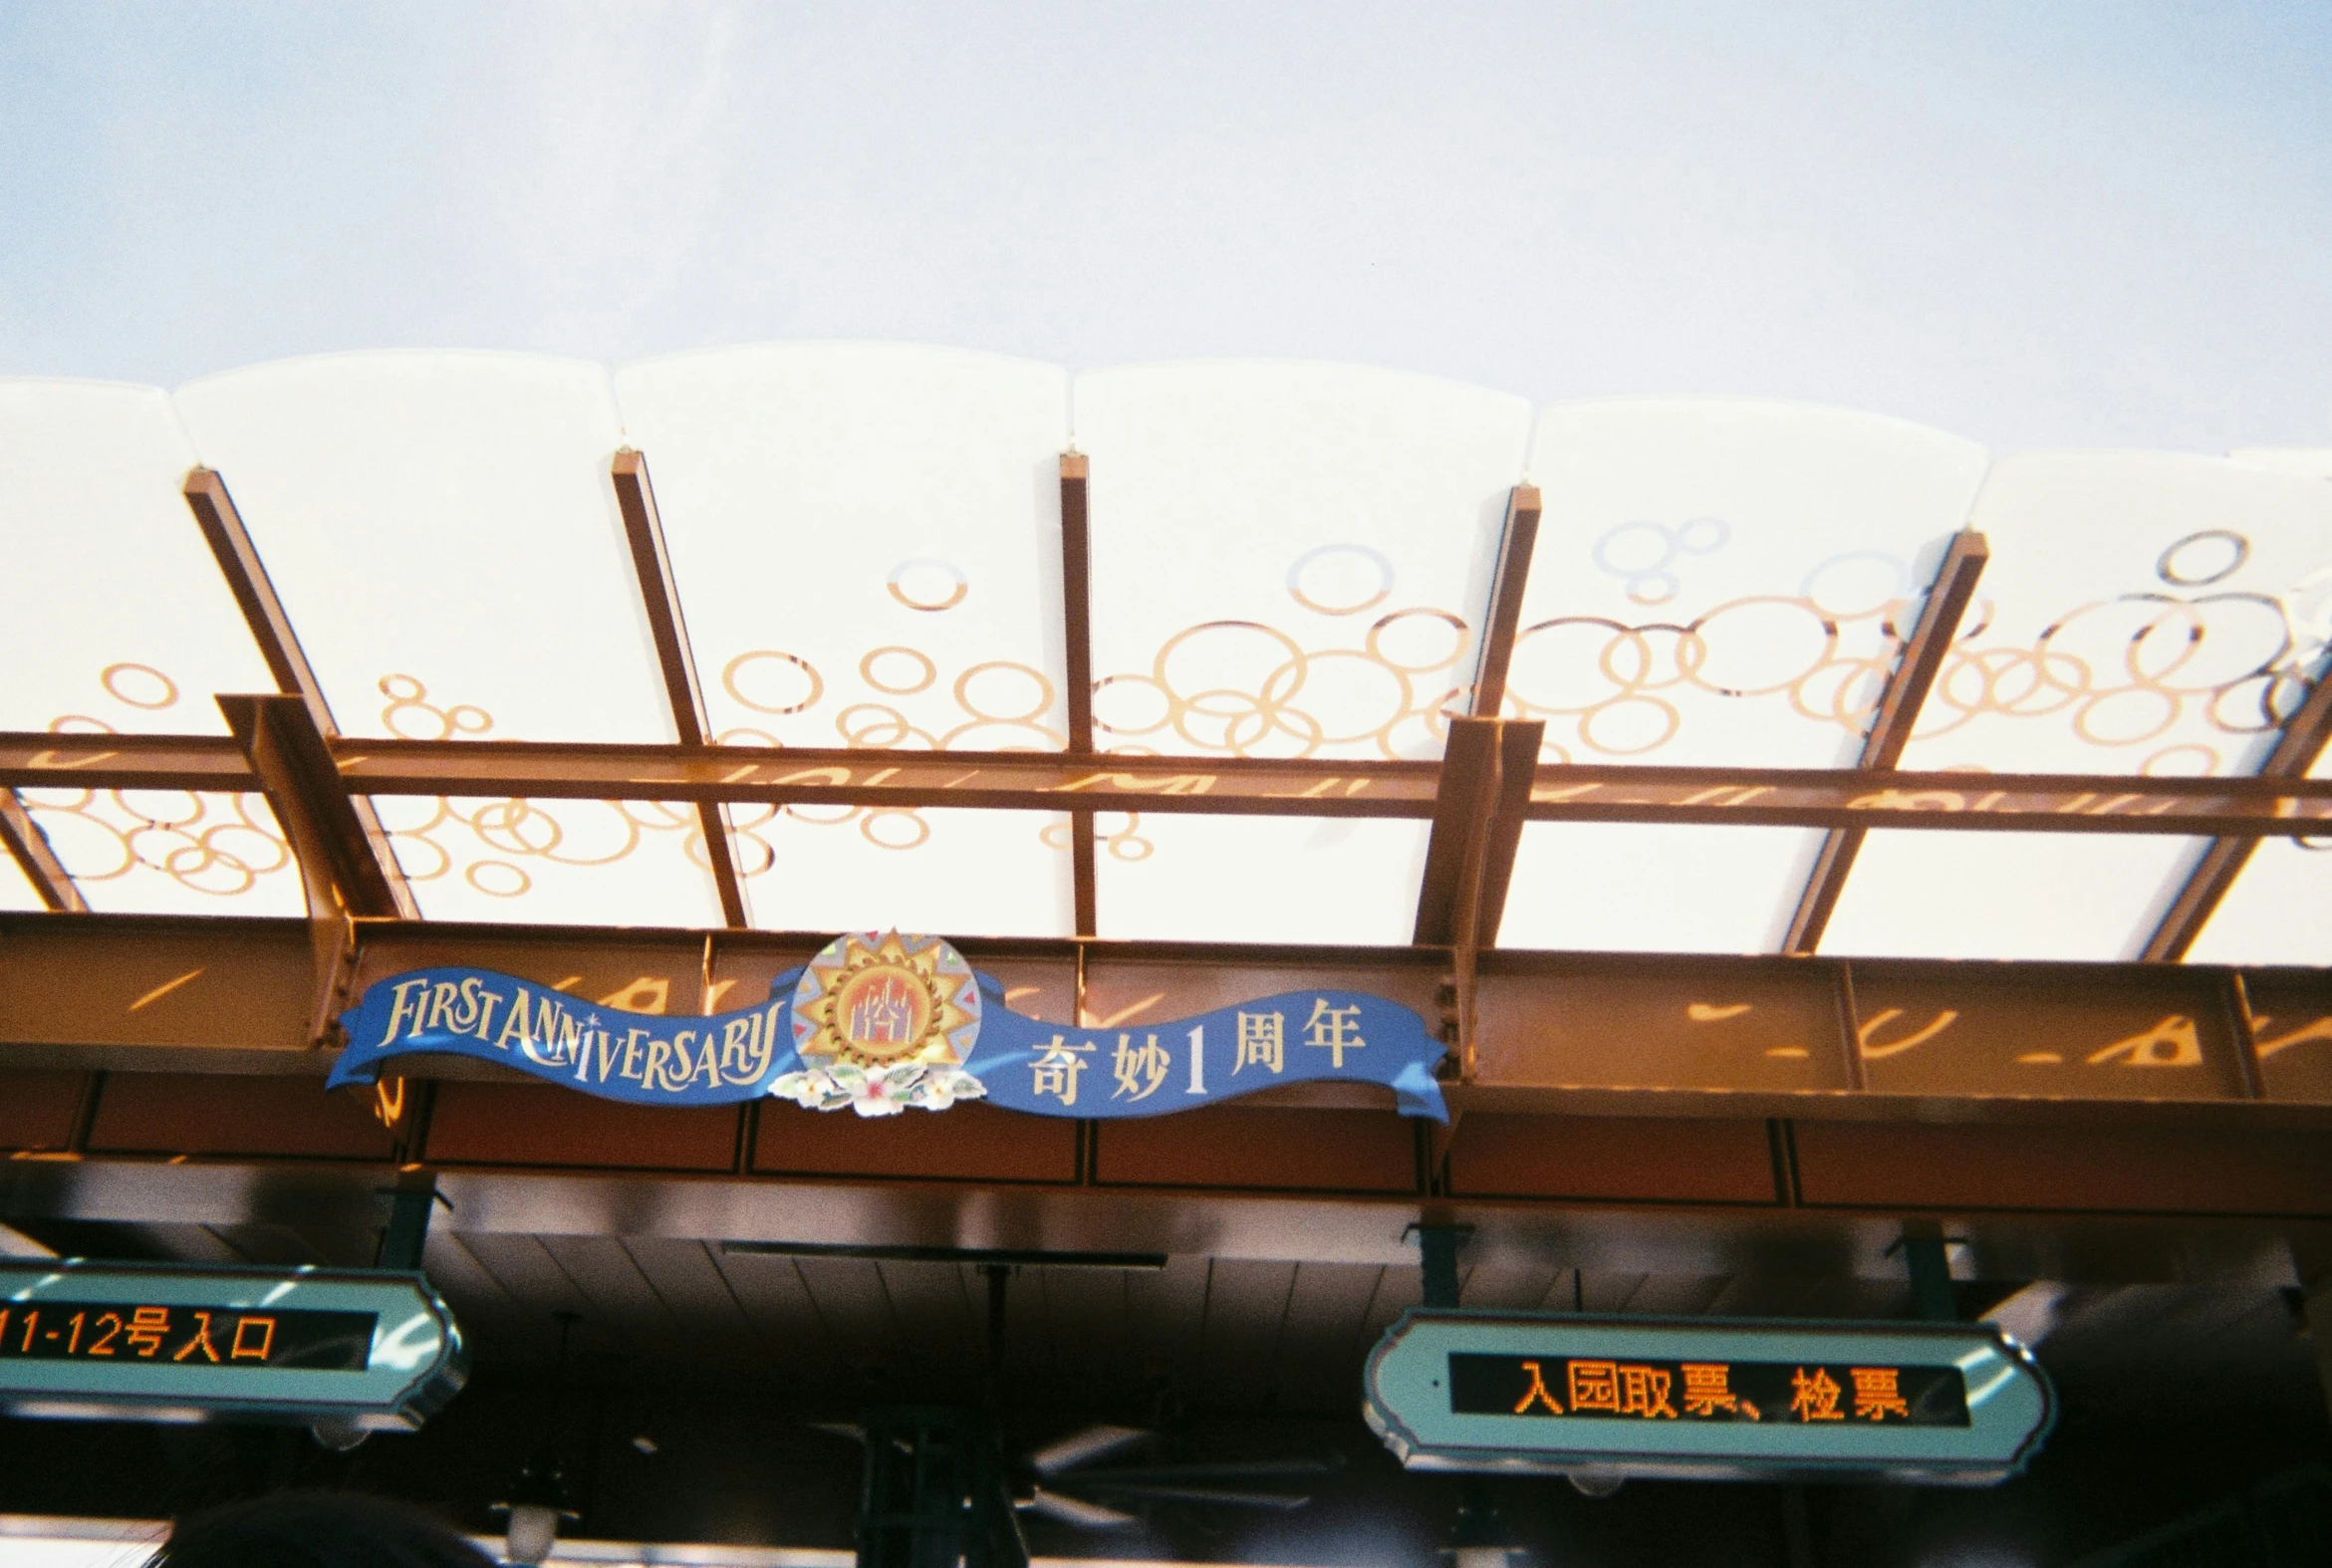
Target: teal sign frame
x,y
1707,1398
351,1349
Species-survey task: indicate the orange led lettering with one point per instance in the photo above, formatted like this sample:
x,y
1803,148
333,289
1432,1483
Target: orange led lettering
x,y
1538,1393
1815,1397
245,1328
148,1324
1708,1388
1644,1392
1595,1385
1875,1393
200,1341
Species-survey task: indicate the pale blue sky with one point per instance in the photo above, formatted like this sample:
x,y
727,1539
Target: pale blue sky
x,y
2095,224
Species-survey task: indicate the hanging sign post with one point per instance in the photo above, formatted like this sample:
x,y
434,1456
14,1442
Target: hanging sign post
x,y
352,1350
1707,1398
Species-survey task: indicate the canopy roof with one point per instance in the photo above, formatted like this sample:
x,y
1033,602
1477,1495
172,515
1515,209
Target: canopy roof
x,y
865,548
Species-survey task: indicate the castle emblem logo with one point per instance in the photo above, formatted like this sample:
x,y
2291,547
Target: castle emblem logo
x,y
882,1022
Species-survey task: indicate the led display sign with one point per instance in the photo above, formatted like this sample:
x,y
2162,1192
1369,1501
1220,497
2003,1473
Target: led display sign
x,y
1706,1397
358,1350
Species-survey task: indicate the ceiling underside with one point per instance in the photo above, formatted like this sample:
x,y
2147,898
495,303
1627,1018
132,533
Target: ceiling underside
x,y
1220,1335
1286,560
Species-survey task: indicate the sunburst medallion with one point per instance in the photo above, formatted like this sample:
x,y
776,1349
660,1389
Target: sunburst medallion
x,y
880,999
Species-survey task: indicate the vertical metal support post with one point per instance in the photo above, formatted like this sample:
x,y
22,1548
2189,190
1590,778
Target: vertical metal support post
x,y
1438,1249
407,1235
1077,636
1930,1277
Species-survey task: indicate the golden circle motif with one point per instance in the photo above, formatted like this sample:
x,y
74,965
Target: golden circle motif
x,y
930,671
897,584
2178,567
1319,553
114,676
497,879
895,828
734,667
963,699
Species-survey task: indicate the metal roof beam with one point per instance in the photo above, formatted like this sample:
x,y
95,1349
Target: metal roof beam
x,y
667,627
1479,811
278,645
339,872
1905,693
1484,790
2295,752
1077,640
1504,619
2238,806
294,768
28,846
1461,808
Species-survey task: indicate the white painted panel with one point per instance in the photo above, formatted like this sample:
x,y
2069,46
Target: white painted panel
x,y
1727,582
2279,910
2140,612
1288,560
1955,894
1177,877
114,617
442,530
2143,613
2309,463
1718,581
1654,888
866,540
947,872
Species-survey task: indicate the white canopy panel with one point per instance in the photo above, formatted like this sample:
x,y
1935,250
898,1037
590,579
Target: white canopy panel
x,y
845,868
114,618
2309,463
2143,613
1329,879
1288,560
442,531
1718,581
866,541
2279,910
1660,887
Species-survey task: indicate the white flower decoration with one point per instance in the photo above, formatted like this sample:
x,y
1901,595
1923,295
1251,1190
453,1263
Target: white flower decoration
x,y
878,1091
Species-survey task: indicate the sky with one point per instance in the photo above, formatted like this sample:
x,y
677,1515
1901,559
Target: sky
x,y
2096,224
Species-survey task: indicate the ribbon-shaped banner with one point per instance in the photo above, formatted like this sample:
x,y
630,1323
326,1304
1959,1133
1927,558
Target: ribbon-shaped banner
x,y
882,1023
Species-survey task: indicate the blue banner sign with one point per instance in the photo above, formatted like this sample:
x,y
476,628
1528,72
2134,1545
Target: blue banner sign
x,y
354,1350
1711,1398
881,1023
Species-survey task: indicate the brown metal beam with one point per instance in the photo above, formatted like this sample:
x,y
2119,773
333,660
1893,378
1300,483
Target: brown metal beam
x,y
1469,860
2241,806
278,645
1907,692
1077,640
1468,779
1519,747
2077,1044
2295,752
27,845
338,871
1483,801
1504,619
644,529
294,768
